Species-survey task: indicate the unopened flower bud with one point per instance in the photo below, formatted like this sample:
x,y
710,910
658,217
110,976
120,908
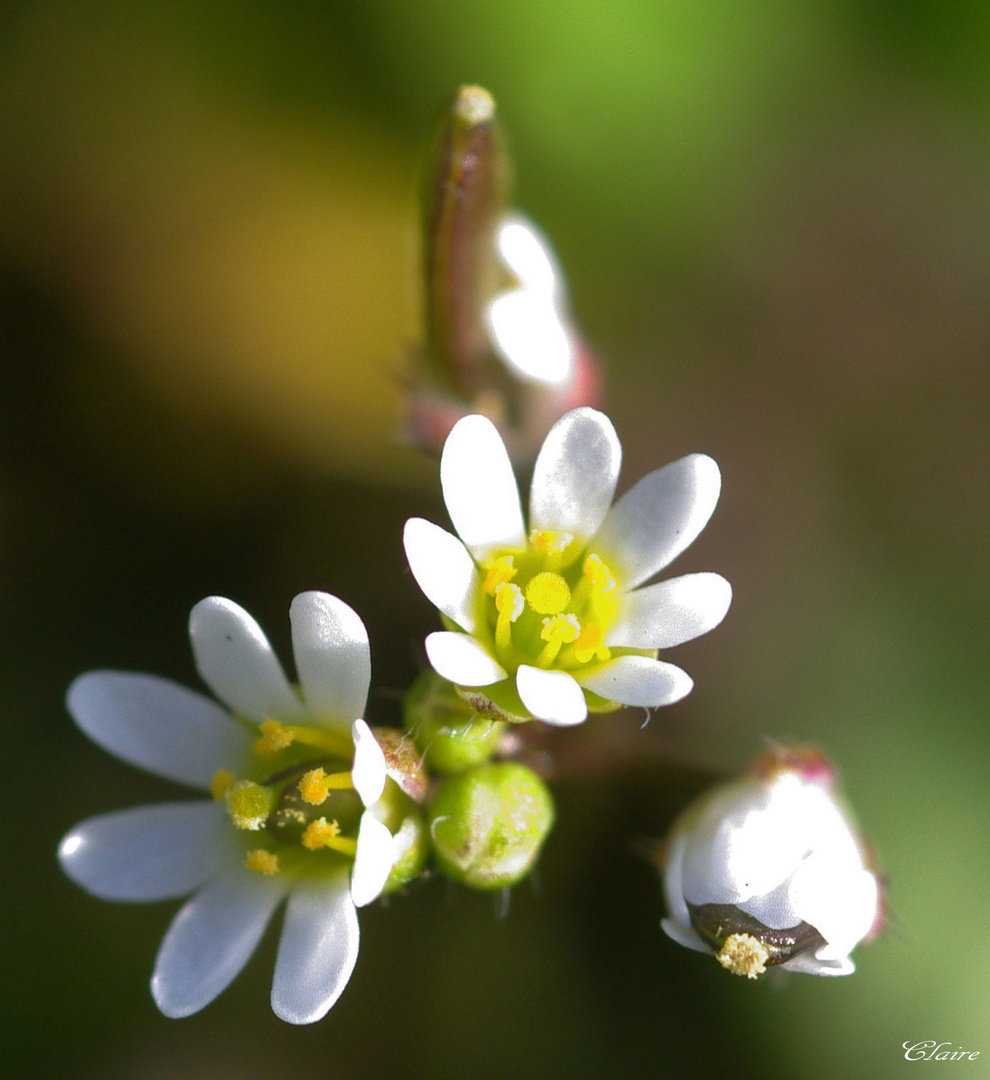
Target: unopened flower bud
x,y
446,730
770,870
488,824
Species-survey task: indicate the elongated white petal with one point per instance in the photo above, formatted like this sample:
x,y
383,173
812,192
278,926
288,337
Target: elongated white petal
x,y
659,517
551,696
147,852
212,938
530,337
479,488
333,657
443,569
683,935
671,612
373,862
575,475
369,771
639,681
235,660
158,725
462,660
317,951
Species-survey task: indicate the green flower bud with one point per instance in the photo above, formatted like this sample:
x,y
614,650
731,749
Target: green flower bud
x,y
489,823
446,729
412,847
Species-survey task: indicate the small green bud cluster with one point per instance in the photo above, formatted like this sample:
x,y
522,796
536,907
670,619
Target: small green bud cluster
x,y
487,819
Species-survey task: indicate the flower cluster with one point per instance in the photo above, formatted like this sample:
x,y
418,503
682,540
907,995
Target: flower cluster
x,y
547,617
551,619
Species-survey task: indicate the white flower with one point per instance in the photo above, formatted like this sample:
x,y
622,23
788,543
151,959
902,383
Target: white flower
x,y
552,619
769,870
296,780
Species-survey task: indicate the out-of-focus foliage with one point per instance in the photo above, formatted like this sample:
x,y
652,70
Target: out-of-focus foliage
x,y
775,221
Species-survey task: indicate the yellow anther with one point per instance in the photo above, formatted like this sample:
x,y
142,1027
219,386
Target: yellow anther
x,y
547,540
743,954
598,574
316,785
548,593
222,782
500,571
557,630
591,643
560,628
326,834
249,804
274,737
264,862
509,601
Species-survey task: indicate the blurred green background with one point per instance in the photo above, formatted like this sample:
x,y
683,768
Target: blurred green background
x,y
775,219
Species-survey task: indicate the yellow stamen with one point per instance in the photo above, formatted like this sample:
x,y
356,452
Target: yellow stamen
x,y
316,785
500,571
548,593
598,574
264,862
249,804
509,602
326,834
591,643
743,954
547,540
557,630
222,782
274,737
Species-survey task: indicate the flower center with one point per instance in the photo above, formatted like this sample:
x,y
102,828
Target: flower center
x,y
546,606
297,802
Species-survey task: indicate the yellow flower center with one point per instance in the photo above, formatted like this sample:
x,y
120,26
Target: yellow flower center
x,y
549,604
743,954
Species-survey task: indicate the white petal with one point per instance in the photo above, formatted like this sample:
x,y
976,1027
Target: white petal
x,y
317,952
639,681
462,660
575,475
443,569
684,935
659,517
147,852
479,488
673,885
235,660
671,612
838,900
373,862
369,771
551,696
158,725
212,938
527,332
811,965
526,252
333,657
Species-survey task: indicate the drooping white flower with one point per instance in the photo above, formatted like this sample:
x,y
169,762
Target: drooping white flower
x,y
296,779
769,870
547,621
